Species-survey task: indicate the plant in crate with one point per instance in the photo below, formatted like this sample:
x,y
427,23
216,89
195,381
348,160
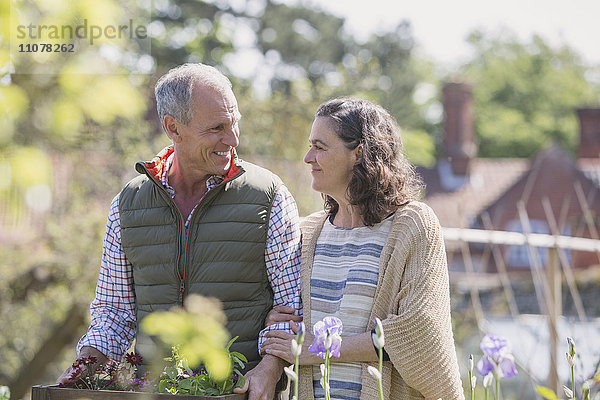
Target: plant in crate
x,y
201,363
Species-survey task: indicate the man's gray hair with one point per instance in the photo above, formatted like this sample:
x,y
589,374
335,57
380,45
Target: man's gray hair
x,y
173,90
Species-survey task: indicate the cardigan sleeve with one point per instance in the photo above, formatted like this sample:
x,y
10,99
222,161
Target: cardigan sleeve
x,y
418,336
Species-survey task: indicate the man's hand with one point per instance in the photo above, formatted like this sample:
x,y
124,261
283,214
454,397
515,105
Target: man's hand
x,y
262,379
281,314
66,378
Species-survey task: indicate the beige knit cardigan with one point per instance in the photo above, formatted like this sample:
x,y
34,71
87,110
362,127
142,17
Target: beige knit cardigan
x,y
413,301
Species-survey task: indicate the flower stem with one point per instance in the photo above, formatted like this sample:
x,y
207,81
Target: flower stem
x,y
573,379
485,392
497,388
471,391
379,383
326,377
296,380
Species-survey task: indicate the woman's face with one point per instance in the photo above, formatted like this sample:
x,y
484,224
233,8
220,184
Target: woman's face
x,y
330,160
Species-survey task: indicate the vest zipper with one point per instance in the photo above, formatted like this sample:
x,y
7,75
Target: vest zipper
x,y
181,224
181,291
182,227
200,207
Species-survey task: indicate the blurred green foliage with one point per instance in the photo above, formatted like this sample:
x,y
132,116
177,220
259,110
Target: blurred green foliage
x,y
198,331
526,94
4,393
71,129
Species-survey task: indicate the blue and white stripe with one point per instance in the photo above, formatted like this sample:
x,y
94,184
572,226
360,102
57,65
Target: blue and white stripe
x,y
343,283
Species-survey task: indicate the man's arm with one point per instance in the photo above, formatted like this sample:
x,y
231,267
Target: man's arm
x,y
282,257
113,309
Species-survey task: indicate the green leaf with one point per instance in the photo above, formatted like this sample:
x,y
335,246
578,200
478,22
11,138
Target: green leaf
x,y
185,384
162,386
238,359
230,343
171,372
239,356
546,393
212,392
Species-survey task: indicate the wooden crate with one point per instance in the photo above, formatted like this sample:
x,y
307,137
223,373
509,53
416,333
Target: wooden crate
x,y
57,393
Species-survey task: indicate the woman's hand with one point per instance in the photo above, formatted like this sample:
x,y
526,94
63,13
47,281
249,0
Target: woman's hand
x,y
279,344
281,314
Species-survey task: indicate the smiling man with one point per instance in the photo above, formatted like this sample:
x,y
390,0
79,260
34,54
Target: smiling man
x,y
197,220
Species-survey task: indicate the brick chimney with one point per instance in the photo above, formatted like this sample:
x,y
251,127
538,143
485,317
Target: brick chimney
x,y
589,128
459,142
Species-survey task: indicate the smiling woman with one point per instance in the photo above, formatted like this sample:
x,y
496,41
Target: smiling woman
x,y
374,252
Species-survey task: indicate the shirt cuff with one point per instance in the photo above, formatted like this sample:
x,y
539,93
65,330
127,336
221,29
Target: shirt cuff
x,y
280,326
112,348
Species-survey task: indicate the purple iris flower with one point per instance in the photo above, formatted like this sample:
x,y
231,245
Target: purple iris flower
x,y
497,357
333,327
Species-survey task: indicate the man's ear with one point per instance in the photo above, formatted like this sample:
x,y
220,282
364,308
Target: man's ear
x,y
170,127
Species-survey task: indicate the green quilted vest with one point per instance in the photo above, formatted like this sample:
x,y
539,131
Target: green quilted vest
x,y
221,256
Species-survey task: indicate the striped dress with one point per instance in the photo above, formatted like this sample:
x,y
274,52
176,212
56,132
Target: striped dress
x,y
343,282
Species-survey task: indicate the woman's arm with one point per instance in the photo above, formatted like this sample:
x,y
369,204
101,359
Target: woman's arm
x,y
355,348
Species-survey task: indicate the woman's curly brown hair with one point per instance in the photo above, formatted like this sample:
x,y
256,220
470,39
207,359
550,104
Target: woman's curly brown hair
x,y
384,179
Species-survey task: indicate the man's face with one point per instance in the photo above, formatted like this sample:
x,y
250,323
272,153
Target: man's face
x,y
205,145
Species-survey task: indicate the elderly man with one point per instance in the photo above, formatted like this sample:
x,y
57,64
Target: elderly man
x,y
197,220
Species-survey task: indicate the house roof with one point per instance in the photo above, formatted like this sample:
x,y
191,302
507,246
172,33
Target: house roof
x,y
488,179
458,201
553,176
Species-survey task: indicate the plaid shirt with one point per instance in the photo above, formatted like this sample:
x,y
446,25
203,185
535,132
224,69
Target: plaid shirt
x,y
113,322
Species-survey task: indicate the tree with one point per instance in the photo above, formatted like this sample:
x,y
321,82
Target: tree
x,y
525,94
66,119
382,69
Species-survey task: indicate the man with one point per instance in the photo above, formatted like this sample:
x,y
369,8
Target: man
x,y
197,220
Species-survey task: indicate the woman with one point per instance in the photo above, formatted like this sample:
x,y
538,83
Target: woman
x,y
375,251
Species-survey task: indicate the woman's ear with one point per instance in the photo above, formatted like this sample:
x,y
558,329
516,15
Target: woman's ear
x,y
358,154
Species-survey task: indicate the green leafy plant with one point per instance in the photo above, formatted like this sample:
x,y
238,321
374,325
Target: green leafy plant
x,y
179,378
201,361
198,331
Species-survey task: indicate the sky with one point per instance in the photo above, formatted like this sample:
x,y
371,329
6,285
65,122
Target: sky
x,y
440,27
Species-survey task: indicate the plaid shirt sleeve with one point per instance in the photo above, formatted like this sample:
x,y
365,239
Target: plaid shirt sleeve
x,y
113,309
282,257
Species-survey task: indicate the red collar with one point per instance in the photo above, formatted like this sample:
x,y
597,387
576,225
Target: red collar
x,y
157,166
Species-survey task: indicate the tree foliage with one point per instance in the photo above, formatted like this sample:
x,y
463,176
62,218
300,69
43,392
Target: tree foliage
x,y
526,94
